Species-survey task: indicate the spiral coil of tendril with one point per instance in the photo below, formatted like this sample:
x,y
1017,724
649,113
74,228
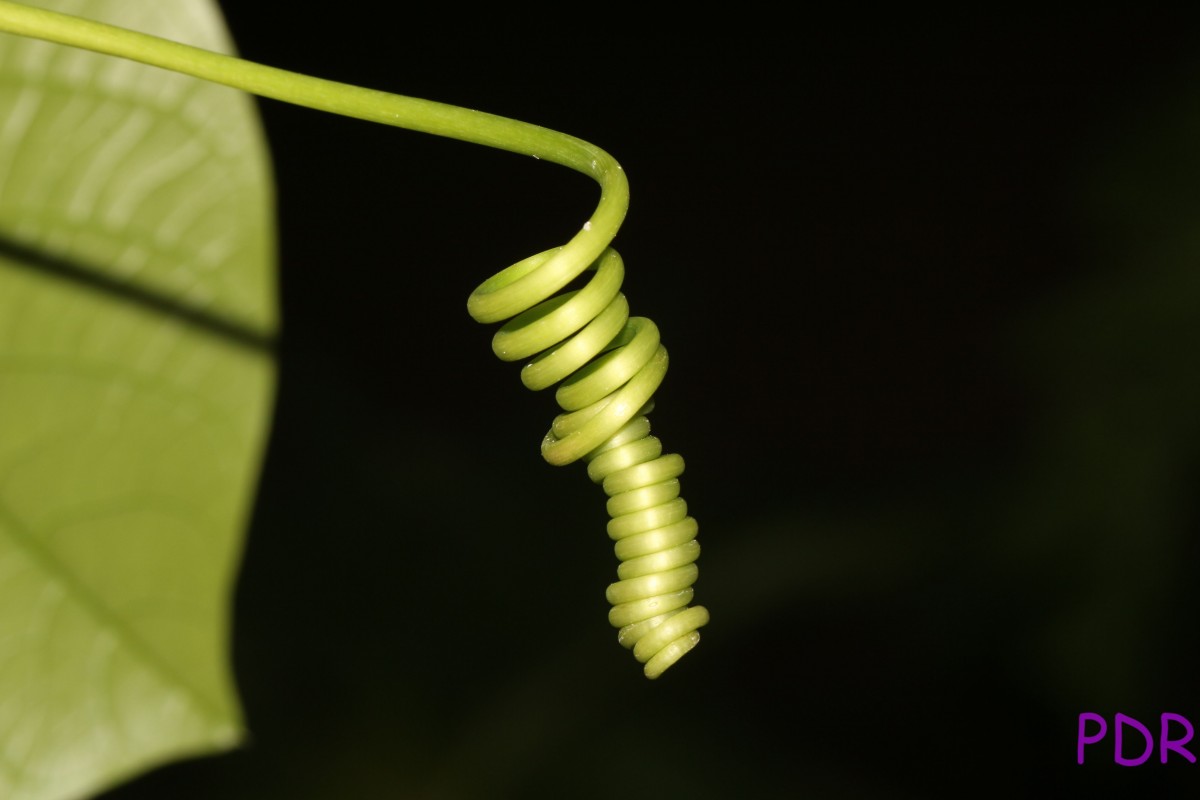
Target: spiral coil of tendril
x,y
608,366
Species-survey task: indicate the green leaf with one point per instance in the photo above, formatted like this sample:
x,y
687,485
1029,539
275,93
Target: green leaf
x,y
137,304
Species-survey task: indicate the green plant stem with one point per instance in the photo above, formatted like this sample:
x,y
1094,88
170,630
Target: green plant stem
x,y
412,113
651,599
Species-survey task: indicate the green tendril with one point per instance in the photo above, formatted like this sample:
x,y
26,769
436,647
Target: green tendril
x,y
607,363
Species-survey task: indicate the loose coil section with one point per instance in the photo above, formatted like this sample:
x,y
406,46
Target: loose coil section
x,y
608,366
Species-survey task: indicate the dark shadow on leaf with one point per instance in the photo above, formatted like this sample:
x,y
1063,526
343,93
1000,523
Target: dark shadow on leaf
x,y
208,320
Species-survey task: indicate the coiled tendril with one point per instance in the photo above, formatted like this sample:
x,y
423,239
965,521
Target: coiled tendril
x,y
609,363
608,366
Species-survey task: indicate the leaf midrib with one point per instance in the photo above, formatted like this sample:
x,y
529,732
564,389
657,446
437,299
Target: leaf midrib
x,y
103,616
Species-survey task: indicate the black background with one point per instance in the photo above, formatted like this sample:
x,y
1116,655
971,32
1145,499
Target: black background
x,y
931,291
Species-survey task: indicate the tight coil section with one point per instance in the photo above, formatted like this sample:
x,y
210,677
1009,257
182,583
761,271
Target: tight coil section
x,y
656,544
608,366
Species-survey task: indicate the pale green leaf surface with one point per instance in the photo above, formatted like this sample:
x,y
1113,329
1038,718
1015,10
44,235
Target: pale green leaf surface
x,y
133,408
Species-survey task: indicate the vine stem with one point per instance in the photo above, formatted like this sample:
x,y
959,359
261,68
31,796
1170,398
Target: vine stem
x,y
605,422
372,105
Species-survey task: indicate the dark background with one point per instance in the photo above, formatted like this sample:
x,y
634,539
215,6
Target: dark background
x,y
931,290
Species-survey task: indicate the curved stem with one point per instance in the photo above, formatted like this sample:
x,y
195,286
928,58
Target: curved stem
x,y
412,113
651,601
